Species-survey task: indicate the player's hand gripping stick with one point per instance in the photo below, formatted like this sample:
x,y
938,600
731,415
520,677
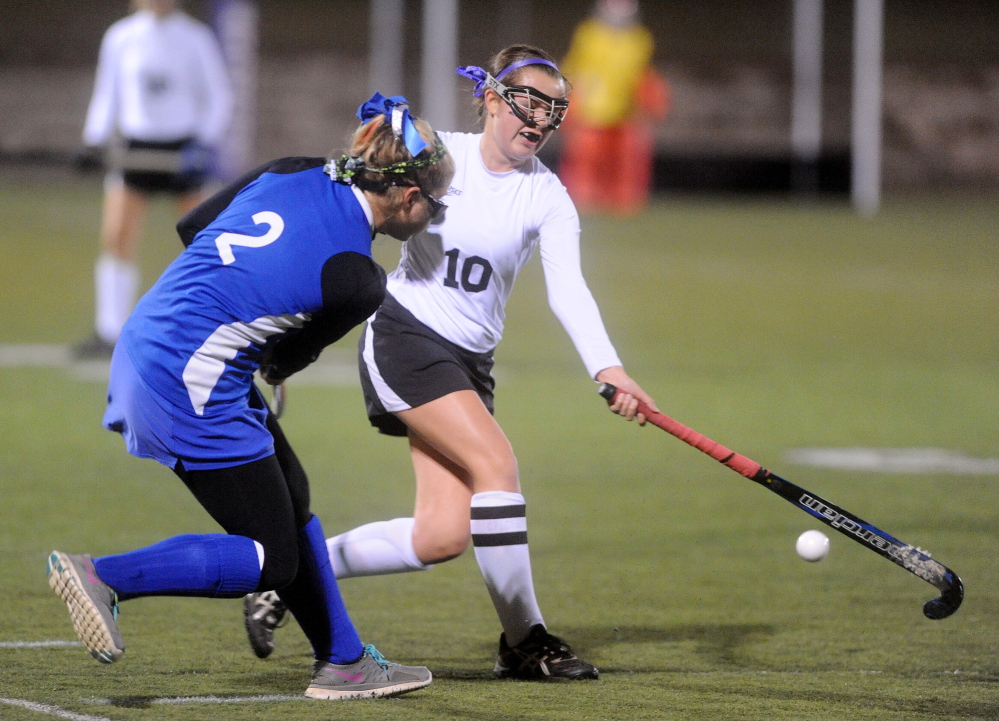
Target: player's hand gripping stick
x,y
746,466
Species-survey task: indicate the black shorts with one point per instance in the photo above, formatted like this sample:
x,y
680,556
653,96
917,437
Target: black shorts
x,y
405,364
184,180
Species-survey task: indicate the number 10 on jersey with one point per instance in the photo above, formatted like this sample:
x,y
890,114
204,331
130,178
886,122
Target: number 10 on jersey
x,y
471,266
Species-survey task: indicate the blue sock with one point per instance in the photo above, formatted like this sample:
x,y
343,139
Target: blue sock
x,y
314,599
213,565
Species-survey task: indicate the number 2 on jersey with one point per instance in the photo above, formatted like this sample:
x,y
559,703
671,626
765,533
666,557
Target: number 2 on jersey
x,y
225,241
467,268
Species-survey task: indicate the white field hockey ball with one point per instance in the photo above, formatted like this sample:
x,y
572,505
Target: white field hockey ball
x,y
812,546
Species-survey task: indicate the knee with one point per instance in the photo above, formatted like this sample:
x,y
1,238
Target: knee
x,y
496,471
441,547
280,565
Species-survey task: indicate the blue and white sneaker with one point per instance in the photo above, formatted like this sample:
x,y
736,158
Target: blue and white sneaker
x,y
371,676
93,605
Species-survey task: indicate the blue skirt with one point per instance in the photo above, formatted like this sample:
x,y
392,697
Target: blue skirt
x,y
227,435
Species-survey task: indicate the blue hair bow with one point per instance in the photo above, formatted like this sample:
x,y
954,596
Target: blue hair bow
x,y
474,72
396,109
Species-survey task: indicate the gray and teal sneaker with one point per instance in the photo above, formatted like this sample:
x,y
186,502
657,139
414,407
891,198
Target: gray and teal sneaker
x,y
371,676
93,605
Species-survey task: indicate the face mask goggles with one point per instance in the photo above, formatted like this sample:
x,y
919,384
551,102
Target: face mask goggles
x,y
531,106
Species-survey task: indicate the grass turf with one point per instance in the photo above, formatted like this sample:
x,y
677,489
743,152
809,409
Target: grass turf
x,y
765,324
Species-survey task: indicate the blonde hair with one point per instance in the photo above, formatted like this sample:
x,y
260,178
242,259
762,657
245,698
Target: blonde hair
x,y
379,148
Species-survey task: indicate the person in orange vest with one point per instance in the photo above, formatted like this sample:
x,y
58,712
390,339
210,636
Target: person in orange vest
x,y
617,96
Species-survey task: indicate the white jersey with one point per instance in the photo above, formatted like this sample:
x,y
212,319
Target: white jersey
x,y
456,277
159,79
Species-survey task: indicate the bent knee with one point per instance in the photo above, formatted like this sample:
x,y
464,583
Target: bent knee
x,y
439,550
496,472
279,570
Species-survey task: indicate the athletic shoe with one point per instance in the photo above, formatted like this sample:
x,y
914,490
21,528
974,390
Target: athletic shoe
x,y
93,605
93,348
263,613
541,657
371,676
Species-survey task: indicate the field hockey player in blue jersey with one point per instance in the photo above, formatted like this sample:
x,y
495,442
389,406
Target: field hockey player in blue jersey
x,y
284,254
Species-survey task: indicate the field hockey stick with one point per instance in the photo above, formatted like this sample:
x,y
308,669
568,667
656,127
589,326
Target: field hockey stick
x,y
280,398
912,559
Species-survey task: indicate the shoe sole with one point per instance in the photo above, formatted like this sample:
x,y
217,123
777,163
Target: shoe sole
x,y
88,622
502,672
331,694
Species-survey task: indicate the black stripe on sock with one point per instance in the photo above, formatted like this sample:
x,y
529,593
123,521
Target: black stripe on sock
x,y
517,538
486,513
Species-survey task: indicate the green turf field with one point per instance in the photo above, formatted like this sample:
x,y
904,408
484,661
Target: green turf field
x,y
766,325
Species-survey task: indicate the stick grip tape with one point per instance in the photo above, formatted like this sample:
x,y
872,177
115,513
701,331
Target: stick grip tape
x,y
746,466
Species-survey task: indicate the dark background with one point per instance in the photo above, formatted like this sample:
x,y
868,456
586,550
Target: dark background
x,y
727,61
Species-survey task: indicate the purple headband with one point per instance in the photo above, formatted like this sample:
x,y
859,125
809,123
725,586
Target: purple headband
x,y
528,61
473,72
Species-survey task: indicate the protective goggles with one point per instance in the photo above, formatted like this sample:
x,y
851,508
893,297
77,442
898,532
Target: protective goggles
x,y
437,208
531,106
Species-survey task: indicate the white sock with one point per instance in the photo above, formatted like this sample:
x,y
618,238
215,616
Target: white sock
x,y
116,283
499,536
375,549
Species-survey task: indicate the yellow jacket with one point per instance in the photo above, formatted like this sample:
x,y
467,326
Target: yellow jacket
x,y
605,65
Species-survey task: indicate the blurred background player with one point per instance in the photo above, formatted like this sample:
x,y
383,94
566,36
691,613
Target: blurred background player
x,y
427,357
161,103
617,96
284,252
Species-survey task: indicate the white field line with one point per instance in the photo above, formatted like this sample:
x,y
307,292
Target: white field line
x,y
183,700
51,710
277,698
266,698
274,698
38,644
895,460
335,367
48,355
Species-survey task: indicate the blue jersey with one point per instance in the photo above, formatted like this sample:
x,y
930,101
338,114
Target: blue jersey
x,y
249,276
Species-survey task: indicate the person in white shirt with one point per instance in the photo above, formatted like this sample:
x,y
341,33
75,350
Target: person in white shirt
x,y
161,102
427,353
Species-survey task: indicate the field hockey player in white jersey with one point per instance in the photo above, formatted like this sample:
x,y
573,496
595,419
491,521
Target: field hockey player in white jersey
x,y
426,357
162,103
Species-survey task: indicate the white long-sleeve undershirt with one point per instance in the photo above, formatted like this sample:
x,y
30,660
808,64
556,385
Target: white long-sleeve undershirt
x,y
159,79
456,277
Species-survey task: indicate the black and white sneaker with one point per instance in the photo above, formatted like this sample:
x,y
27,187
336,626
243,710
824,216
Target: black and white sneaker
x,y
541,657
263,613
